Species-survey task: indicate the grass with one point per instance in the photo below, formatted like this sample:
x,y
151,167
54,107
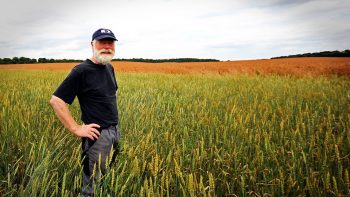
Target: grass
x,y
186,135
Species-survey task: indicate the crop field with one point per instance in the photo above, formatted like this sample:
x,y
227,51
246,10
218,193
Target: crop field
x,y
198,132
314,66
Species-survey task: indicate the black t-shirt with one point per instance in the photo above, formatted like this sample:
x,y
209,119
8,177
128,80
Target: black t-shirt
x,y
95,86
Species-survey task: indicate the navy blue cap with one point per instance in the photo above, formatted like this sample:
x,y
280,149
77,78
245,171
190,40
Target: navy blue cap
x,y
103,34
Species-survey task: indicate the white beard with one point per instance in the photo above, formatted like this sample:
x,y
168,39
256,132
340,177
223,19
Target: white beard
x,y
103,58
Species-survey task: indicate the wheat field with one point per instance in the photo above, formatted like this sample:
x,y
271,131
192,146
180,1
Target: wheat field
x,y
185,135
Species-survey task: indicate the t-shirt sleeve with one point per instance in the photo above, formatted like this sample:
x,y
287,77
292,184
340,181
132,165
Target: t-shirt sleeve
x,y
69,87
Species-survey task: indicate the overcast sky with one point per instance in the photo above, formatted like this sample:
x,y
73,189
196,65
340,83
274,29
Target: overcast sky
x,y
220,29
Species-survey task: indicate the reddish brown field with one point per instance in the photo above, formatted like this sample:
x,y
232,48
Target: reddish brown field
x,y
288,66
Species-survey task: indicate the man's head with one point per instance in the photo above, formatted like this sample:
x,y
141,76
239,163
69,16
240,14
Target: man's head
x,y
103,46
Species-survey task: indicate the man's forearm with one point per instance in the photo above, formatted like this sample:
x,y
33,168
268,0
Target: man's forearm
x,y
63,113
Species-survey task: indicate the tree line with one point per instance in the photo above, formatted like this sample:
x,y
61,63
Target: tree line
x,y
167,60
345,53
26,60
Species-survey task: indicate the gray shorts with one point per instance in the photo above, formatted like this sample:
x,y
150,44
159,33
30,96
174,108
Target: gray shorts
x,y
96,157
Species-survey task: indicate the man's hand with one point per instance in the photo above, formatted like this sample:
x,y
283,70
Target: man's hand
x,y
89,131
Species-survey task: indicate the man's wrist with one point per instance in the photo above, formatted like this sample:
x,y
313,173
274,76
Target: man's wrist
x,y
73,129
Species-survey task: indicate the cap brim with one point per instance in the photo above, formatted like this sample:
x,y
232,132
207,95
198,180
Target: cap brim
x,y
105,37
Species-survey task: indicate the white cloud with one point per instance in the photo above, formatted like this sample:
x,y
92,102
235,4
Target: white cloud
x,y
220,29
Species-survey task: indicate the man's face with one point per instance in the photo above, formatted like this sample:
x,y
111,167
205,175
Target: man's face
x,y
103,50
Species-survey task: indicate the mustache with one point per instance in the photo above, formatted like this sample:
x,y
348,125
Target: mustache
x,y
105,50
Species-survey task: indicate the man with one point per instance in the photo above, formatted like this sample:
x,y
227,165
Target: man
x,y
93,82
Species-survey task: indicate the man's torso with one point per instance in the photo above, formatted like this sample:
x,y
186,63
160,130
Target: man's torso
x,y
95,86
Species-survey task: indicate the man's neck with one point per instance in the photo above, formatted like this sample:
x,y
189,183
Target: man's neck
x,y
93,59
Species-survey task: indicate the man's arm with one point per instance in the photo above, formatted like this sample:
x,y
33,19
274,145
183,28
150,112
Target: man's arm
x,y
63,113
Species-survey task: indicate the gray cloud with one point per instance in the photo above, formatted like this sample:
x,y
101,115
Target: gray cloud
x,y
221,29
